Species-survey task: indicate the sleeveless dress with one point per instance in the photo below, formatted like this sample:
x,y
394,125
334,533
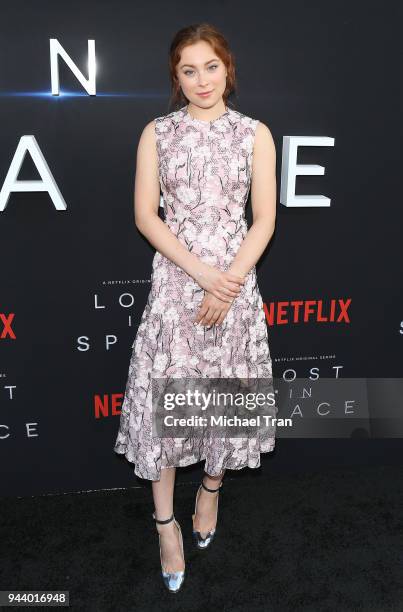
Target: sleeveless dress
x,y
205,172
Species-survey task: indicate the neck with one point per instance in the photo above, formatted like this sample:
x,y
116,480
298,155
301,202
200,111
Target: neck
x,y
209,114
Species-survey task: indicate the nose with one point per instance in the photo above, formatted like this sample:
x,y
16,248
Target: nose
x,y
202,79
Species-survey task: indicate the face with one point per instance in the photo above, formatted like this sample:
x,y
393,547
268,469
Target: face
x,y
201,70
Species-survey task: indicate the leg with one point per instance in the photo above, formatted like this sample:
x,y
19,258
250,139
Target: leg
x,y
212,482
205,517
171,552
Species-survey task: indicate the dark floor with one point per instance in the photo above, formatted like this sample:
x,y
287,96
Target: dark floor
x,y
325,541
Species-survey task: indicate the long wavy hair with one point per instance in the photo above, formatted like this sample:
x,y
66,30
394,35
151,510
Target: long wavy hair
x,y
188,36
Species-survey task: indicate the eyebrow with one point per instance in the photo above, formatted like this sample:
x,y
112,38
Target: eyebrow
x,y
191,65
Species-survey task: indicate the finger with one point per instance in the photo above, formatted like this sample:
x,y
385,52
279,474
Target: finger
x,y
230,291
232,294
226,298
214,318
221,296
209,320
233,286
210,317
236,278
202,312
222,316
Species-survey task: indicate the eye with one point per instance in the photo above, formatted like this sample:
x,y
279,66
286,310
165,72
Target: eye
x,y
188,72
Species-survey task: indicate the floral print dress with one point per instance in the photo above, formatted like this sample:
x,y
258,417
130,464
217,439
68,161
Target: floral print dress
x,y
205,172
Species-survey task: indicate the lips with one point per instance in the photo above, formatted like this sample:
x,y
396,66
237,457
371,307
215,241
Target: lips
x,y
204,93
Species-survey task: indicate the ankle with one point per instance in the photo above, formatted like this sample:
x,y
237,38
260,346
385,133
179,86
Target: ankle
x,y
168,528
213,485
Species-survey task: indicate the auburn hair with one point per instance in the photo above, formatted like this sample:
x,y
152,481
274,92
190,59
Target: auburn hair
x,y
188,36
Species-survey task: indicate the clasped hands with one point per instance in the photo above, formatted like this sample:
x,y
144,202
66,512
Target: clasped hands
x,y
221,288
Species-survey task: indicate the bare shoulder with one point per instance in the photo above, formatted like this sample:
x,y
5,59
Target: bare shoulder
x,y
263,132
149,130
147,141
264,139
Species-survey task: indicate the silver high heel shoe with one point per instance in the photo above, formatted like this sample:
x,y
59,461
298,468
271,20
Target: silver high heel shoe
x,y
201,542
172,580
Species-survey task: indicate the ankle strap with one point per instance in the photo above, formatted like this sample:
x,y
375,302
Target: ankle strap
x,y
164,521
211,490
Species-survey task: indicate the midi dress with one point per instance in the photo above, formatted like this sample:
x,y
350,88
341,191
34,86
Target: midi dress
x,y
205,171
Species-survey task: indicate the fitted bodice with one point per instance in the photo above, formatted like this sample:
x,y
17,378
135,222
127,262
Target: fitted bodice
x,y
205,170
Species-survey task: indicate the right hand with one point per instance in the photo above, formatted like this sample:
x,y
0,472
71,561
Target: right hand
x,y
225,286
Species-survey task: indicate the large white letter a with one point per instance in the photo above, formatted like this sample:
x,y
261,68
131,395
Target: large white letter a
x,y
47,182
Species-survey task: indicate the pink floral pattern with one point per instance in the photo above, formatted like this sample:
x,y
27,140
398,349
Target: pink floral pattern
x,y
205,172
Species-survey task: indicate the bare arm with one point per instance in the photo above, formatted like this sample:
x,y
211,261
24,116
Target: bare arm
x,y
224,285
146,202
263,198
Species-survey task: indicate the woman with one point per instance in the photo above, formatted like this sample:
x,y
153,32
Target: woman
x,y
204,315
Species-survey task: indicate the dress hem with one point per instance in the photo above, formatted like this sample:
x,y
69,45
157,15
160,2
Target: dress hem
x,y
250,465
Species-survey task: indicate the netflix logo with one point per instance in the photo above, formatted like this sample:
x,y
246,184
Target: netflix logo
x,y
308,311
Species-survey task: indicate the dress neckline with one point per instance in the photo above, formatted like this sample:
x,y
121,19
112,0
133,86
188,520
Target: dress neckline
x,y
202,121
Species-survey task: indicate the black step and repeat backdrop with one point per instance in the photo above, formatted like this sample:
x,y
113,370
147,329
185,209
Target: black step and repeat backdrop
x,y
75,271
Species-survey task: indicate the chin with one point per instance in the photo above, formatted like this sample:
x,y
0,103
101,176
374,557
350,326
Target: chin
x,y
205,101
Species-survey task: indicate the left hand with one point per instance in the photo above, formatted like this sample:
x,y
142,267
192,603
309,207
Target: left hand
x,y
212,310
